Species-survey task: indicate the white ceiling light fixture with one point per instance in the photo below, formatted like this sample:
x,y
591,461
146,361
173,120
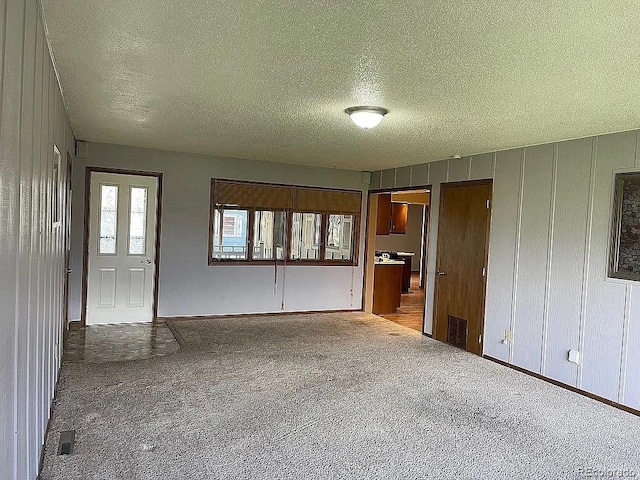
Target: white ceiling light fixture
x,y
366,117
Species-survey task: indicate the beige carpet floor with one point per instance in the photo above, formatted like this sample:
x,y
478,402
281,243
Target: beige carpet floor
x,y
327,396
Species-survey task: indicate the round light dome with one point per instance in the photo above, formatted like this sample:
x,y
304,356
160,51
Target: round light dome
x,y
366,117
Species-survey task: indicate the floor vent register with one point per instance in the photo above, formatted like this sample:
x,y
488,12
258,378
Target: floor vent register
x,y
67,438
457,332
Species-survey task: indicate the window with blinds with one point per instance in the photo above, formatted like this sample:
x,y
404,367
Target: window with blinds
x,y
263,223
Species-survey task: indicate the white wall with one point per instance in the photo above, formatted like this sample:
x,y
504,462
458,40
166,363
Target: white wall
x,y
410,241
548,255
188,286
32,120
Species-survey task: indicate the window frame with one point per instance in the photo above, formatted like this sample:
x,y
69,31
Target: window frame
x,y
324,219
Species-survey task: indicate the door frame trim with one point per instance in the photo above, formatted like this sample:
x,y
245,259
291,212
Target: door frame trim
x,y
426,225
68,187
465,183
85,241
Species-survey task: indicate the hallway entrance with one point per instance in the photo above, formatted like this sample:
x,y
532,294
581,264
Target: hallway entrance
x,y
410,313
396,255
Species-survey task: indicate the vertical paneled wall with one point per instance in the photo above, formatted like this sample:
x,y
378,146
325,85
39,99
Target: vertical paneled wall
x,y
32,121
547,282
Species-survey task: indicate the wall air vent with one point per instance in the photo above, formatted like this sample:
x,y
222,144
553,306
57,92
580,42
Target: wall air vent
x,y
82,149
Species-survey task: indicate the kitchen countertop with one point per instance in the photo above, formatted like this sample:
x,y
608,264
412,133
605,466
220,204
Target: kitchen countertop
x,y
388,262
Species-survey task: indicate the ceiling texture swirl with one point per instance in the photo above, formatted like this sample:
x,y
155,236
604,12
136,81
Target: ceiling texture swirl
x,y
270,79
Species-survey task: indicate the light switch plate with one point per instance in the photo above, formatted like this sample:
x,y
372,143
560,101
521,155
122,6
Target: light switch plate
x,y
574,356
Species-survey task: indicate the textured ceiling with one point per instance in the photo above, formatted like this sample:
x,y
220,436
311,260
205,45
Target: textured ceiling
x,y
270,79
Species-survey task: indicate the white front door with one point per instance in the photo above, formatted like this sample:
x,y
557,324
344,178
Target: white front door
x,y
122,242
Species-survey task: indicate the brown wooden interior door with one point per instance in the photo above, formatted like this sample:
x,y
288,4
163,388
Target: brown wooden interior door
x,y
463,235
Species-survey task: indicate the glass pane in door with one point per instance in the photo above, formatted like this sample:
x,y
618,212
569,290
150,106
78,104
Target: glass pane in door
x,y
108,219
138,221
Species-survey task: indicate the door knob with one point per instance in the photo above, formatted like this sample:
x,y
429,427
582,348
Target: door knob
x,y
146,260
441,273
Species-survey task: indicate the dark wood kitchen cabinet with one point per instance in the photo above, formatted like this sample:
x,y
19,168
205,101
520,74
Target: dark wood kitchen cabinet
x,y
392,217
384,214
399,218
387,287
406,270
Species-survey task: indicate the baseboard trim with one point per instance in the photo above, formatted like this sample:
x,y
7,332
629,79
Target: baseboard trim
x,y
579,391
239,315
175,332
46,430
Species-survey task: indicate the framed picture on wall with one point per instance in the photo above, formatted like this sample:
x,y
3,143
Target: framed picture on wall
x,y
625,227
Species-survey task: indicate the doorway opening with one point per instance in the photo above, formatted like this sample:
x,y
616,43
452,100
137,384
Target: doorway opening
x,y
397,241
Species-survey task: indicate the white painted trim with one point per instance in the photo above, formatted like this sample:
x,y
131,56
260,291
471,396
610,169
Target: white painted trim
x,y
547,283
625,343
637,156
494,158
52,57
516,259
586,264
